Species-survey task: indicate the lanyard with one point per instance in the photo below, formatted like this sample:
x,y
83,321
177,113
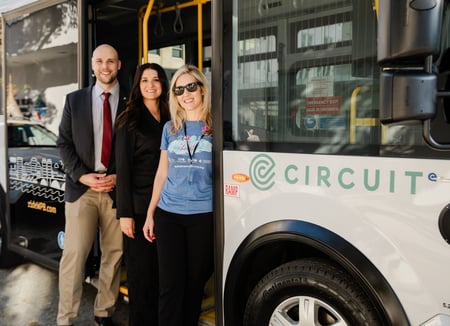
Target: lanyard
x,y
191,155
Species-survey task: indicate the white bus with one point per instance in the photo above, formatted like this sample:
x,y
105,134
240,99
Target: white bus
x,y
327,216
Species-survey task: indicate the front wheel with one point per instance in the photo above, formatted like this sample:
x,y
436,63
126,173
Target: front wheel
x,y
309,292
7,258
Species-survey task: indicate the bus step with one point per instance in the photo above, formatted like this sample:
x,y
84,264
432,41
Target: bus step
x,y
208,314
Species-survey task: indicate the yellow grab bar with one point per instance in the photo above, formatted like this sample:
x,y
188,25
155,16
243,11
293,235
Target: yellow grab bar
x,y
200,34
375,6
354,121
148,12
145,30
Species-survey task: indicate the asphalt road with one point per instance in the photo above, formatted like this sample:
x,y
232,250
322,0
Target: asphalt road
x,y
29,297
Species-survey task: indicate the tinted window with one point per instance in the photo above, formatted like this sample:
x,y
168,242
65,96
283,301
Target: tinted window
x,y
24,135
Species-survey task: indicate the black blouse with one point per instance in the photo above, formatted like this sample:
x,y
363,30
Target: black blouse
x,y
137,158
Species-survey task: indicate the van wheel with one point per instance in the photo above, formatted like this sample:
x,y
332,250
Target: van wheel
x,y
7,258
309,292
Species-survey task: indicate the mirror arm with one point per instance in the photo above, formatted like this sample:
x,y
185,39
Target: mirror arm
x,y
429,138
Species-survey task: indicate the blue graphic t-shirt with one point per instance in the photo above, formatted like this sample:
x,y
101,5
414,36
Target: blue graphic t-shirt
x,y
188,188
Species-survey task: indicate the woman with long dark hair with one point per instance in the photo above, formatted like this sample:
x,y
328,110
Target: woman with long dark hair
x,y
138,140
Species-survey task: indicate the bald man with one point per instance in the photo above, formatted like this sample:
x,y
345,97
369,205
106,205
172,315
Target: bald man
x,y
89,193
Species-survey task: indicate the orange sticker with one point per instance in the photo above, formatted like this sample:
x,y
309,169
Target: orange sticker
x,y
239,177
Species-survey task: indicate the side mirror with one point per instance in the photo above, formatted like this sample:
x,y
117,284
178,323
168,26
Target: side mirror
x,y
407,95
409,30
409,42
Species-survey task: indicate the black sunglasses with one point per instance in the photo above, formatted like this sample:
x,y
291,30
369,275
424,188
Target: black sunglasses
x,y
191,87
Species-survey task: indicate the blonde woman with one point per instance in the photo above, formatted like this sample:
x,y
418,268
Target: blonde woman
x,y
179,217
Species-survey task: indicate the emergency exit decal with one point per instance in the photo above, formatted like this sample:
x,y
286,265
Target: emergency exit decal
x,y
320,98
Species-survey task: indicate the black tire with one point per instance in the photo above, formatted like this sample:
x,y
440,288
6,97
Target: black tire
x,y
309,292
7,258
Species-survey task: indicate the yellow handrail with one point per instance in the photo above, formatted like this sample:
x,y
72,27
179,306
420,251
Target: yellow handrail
x,y
200,34
145,30
149,11
181,6
140,28
354,121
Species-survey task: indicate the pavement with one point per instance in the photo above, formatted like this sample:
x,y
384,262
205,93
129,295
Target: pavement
x,y
29,297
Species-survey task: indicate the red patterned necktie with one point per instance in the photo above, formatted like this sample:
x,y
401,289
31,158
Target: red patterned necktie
x,y
107,130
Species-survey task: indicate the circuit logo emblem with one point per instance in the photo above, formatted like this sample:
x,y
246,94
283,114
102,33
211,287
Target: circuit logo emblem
x,y
261,172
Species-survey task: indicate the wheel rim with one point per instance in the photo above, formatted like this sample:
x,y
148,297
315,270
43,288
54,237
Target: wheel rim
x,y
305,311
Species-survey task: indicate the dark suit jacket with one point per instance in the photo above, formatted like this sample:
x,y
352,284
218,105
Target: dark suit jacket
x,y
76,140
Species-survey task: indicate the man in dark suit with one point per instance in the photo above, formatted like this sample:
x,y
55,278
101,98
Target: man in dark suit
x,y
86,147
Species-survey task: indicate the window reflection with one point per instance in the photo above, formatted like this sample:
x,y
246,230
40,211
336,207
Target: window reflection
x,y
41,62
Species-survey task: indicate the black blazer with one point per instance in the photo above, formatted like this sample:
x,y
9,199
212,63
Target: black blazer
x,y
76,140
137,163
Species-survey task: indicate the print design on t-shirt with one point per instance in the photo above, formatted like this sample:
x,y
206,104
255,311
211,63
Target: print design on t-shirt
x,y
179,146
